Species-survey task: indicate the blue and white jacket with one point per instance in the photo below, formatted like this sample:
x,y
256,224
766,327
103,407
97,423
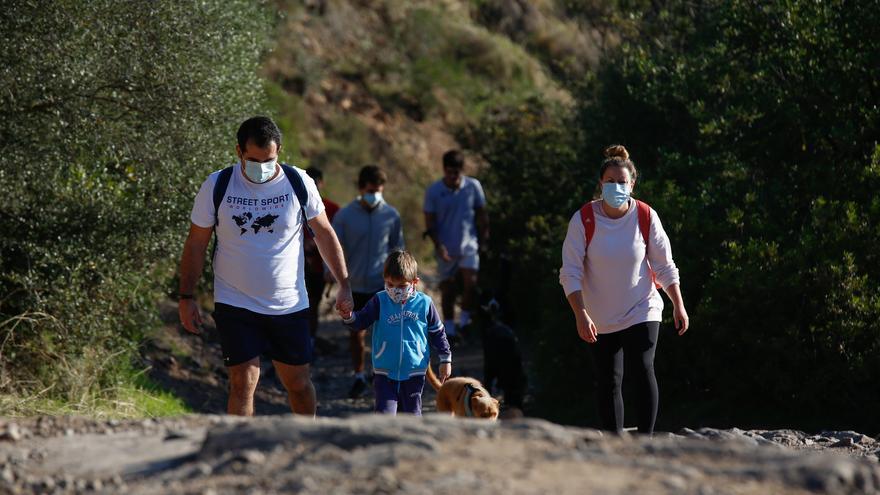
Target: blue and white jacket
x,y
401,334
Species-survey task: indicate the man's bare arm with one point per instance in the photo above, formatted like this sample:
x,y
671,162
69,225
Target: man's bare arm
x,y
431,227
331,253
431,231
192,262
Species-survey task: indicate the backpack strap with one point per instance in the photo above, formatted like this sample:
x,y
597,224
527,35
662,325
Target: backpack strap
x,y
299,188
644,212
588,219
644,220
220,190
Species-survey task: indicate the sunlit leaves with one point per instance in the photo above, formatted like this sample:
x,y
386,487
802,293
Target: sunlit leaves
x,y
111,114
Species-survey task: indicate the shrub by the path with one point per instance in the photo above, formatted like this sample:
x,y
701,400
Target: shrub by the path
x,y
111,114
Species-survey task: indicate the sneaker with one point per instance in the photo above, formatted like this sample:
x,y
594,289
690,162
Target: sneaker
x,y
357,388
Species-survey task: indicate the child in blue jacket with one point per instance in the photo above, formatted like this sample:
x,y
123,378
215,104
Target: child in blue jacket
x,y
406,320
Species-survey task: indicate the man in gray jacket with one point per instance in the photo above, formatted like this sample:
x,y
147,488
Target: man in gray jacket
x,y
368,229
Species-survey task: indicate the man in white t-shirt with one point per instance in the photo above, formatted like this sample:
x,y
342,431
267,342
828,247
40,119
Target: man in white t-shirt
x,y
260,300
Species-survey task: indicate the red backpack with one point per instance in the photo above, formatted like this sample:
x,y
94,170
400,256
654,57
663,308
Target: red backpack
x,y
588,219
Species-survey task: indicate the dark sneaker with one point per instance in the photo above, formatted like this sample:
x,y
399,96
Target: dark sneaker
x,y
357,388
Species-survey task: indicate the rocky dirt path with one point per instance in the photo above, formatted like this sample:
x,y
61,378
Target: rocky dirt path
x,y
209,454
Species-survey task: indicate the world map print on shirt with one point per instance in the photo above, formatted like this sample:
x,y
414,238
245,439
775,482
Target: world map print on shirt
x,y
247,221
263,221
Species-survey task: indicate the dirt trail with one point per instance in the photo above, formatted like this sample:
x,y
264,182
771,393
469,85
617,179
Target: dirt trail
x,y
368,453
192,367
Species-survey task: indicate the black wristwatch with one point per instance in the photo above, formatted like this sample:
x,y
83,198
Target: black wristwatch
x,y
181,297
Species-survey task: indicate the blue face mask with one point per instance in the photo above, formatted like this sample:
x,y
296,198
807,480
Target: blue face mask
x,y
372,199
615,194
260,172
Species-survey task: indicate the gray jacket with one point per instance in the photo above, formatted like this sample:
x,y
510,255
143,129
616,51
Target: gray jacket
x,y
367,237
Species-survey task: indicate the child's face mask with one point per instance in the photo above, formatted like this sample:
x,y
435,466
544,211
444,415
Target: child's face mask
x,y
400,294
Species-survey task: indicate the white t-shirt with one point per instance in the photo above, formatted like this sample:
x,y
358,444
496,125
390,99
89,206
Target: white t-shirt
x,y
614,278
259,260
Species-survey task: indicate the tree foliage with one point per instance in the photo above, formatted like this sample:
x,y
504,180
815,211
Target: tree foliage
x,y
110,116
755,128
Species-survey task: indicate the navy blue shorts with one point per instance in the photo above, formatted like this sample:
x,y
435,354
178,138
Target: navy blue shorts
x,y
393,396
245,335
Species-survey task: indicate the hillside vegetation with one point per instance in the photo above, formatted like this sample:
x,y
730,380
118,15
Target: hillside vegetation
x,y
398,83
110,118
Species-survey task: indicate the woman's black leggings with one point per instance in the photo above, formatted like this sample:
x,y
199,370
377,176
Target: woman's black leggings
x,y
637,343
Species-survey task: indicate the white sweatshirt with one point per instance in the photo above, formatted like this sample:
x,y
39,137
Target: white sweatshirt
x,y
614,279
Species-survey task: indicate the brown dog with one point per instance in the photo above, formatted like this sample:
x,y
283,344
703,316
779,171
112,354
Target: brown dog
x,y
464,397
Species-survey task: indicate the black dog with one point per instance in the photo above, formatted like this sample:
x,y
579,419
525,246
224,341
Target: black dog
x,y
502,359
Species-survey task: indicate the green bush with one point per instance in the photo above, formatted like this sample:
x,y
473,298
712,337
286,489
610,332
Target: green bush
x,y
533,186
112,114
756,136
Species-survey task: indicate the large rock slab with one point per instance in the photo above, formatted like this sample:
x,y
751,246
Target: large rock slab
x,y
434,454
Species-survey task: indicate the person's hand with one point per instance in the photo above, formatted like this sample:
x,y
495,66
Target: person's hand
x,y
443,253
483,245
444,371
190,318
344,301
345,315
682,322
586,328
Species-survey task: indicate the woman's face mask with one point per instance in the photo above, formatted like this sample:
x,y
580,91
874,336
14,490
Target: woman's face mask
x,y
615,194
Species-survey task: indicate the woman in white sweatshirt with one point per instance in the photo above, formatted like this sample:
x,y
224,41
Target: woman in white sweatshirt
x,y
614,257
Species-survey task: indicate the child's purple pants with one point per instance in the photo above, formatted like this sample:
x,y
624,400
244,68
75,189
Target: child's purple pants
x,y
393,396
